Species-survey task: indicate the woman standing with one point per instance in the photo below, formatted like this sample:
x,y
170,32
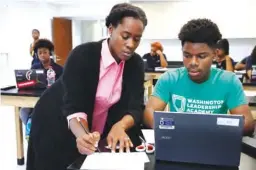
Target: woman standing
x,y
102,85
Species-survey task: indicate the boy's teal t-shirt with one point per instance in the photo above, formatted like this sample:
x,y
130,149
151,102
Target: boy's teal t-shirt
x,y
223,91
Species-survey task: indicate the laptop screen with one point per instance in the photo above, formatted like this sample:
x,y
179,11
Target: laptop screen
x,y
34,78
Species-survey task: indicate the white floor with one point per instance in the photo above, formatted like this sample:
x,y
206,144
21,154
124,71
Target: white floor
x,y
8,159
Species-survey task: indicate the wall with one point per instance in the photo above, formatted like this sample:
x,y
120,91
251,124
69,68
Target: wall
x,y
239,48
3,29
167,23
76,32
92,30
235,22
17,22
93,10
88,30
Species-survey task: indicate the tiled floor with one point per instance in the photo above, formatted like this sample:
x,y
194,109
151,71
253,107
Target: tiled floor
x,y
8,158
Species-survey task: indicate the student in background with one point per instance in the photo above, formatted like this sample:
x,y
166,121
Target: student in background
x,y
193,87
35,36
103,86
250,62
242,64
156,58
223,60
43,48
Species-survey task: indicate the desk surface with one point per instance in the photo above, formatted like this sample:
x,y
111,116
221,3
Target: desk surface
x,y
17,92
148,77
38,92
247,163
155,72
249,84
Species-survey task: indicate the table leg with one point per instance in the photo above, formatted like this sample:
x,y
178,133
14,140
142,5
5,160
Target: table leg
x,y
150,89
19,138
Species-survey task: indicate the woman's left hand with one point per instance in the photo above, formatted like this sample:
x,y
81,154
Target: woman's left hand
x,y
116,135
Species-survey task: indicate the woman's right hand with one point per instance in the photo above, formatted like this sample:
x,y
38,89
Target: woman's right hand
x,y
87,143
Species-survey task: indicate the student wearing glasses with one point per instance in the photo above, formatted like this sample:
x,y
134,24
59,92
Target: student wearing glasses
x,y
103,86
197,87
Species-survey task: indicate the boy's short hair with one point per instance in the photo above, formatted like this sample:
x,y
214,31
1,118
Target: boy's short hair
x,y
200,31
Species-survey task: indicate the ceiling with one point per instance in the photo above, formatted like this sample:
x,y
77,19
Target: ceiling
x,y
78,2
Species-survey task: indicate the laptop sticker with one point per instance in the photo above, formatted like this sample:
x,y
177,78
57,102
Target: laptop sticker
x,y
179,103
227,121
40,71
28,74
166,123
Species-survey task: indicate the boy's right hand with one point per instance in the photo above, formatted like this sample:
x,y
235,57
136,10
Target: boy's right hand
x,y
87,143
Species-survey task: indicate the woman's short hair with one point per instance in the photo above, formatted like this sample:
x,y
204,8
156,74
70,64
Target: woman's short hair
x,y
158,46
122,10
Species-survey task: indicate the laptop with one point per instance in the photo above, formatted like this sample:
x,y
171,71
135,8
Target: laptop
x,y
30,79
211,139
146,67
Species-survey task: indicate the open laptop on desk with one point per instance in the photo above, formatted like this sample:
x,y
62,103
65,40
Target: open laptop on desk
x,y
146,68
30,79
249,144
212,139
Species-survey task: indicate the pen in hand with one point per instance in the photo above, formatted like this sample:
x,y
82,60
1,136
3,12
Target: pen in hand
x,y
86,131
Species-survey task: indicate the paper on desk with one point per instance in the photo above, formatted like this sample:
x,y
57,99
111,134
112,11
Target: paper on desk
x,y
240,72
149,135
160,69
115,161
250,93
239,76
